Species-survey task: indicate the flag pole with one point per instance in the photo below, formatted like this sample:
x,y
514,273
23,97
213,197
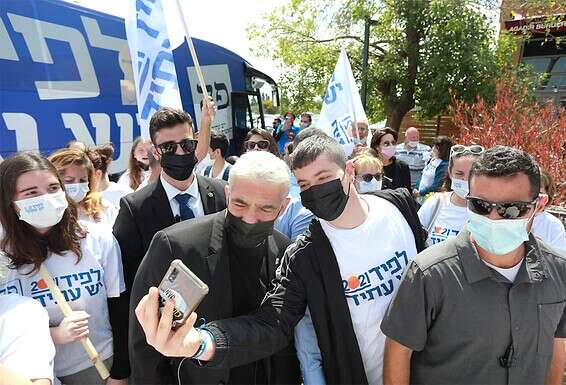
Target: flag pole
x,y
67,311
193,52
354,125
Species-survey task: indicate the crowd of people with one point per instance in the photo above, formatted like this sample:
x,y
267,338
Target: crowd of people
x,y
398,263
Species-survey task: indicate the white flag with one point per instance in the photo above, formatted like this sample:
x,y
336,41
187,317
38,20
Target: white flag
x,y
341,104
152,60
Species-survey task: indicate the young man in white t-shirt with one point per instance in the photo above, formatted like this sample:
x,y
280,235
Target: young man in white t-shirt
x,y
346,268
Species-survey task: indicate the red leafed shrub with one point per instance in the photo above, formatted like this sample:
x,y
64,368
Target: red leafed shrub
x,y
515,120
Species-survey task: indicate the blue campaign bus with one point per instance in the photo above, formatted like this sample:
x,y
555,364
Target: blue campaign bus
x,y
66,73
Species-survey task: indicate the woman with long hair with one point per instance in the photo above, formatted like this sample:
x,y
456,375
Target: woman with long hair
x,y
78,174
138,165
396,171
41,228
101,157
435,170
445,213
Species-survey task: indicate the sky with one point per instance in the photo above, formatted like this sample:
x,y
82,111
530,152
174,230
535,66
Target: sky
x,y
222,22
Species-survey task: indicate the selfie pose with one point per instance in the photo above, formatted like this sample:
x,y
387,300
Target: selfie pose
x,y
235,252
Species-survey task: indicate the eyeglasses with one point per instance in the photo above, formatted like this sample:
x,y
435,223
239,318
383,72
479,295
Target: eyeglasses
x,y
261,145
368,177
506,210
474,149
188,145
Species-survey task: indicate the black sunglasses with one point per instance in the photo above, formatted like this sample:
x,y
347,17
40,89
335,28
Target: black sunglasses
x,y
262,144
506,210
188,145
369,177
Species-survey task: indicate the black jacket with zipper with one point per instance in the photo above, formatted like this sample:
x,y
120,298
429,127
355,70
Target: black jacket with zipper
x,y
308,275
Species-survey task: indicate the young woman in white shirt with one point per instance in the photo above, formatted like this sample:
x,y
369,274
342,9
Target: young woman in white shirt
x,y
41,228
77,172
101,158
445,213
138,165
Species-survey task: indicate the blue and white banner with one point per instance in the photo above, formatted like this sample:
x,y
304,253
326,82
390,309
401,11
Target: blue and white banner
x,y
152,60
341,104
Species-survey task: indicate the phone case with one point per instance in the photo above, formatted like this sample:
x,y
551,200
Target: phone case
x,y
183,286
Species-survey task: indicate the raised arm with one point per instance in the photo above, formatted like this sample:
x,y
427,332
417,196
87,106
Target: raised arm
x,y
206,119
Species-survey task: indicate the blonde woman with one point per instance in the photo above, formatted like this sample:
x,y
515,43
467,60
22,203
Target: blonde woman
x,y
368,171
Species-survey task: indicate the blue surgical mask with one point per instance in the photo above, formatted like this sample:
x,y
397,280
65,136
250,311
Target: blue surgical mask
x,y
498,237
460,187
369,187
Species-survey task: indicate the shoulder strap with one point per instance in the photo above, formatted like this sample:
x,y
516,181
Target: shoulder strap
x,y
207,171
437,206
226,173
402,199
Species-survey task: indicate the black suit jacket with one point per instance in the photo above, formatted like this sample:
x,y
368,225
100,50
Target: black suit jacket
x,y
142,214
145,212
201,244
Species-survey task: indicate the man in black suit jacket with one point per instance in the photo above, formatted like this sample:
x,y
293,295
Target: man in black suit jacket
x,y
177,195
236,253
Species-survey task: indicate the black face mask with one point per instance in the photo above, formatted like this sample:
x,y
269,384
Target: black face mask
x,y
178,167
143,166
326,201
248,235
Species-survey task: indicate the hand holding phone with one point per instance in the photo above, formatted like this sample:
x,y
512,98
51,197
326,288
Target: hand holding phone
x,y
185,288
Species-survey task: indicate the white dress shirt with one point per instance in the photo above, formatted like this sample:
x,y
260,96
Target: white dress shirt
x,y
194,203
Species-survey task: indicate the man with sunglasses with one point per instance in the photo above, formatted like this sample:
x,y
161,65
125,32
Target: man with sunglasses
x,y
175,196
487,306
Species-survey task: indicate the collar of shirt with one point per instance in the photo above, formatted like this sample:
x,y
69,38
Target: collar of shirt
x,y
532,269
172,191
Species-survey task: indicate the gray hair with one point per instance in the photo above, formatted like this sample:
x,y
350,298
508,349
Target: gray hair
x,y
262,166
312,147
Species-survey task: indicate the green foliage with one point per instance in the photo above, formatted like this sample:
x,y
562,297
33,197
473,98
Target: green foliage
x,y
421,52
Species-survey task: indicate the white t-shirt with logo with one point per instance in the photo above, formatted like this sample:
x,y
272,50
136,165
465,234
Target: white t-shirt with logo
x,y
372,258
26,347
550,230
86,285
449,221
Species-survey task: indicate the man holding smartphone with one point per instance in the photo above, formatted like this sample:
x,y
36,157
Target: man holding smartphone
x,y
235,253
346,268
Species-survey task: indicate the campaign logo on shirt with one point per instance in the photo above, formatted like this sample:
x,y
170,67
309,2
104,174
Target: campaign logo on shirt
x,y
440,234
377,281
73,286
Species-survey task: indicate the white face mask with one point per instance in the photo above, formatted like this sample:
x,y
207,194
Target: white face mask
x,y
460,187
413,144
43,211
369,187
77,191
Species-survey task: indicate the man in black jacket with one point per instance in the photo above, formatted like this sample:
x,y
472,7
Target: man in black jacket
x,y
345,268
178,194
235,252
